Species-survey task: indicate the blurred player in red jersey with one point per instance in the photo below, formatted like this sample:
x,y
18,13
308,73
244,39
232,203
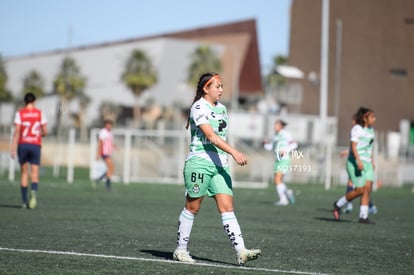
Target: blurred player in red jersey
x,y
30,125
105,148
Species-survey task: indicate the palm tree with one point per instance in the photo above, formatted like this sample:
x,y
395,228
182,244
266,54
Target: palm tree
x,y
68,84
5,94
33,83
138,76
203,59
84,101
109,110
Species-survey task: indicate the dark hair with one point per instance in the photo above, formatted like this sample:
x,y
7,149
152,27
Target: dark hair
x,y
360,114
29,98
282,122
108,121
204,78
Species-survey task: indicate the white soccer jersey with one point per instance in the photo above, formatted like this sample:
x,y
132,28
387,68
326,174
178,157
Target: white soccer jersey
x,y
106,137
364,138
202,112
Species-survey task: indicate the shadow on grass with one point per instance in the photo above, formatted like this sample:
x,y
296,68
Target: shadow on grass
x,y
169,256
10,206
324,210
330,219
159,254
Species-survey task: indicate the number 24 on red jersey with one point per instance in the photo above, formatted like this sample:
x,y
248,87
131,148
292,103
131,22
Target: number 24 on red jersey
x,y
30,121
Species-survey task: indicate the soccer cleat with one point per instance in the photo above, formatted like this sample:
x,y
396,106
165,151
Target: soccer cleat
x,y
291,197
348,208
24,205
365,221
373,210
182,255
33,201
336,212
248,255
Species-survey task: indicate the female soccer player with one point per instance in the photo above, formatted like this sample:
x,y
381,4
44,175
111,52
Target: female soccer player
x,y
282,144
105,148
372,209
360,166
30,125
206,169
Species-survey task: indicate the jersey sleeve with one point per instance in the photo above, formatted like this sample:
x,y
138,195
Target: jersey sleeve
x,y
356,133
102,134
17,119
43,119
200,114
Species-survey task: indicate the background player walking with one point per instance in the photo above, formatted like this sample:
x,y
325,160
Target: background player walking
x,y
30,125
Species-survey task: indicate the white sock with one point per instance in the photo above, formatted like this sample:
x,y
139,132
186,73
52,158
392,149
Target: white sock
x,y
185,224
232,229
281,191
341,202
363,211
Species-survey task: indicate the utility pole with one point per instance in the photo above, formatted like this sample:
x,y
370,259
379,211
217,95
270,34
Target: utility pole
x,y
323,105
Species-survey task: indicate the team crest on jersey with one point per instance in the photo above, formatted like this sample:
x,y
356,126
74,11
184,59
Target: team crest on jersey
x,y
196,188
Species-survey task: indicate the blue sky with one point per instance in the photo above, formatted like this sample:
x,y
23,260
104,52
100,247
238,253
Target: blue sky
x,y
34,26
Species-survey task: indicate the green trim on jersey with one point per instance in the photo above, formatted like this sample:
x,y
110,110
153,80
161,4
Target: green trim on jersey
x,y
364,137
280,145
202,112
368,144
281,150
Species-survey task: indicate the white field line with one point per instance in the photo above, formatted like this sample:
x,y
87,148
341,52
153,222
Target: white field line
x,y
155,260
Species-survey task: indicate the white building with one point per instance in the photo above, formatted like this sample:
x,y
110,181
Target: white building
x,y
103,65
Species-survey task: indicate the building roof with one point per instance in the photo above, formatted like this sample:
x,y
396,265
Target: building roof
x,y
240,58
102,64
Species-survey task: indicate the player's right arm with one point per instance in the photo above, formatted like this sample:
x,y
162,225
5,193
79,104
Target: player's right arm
x,y
209,133
99,151
16,134
101,137
356,133
15,140
355,152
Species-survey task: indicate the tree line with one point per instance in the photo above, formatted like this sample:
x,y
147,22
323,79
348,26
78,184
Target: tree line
x,y
138,75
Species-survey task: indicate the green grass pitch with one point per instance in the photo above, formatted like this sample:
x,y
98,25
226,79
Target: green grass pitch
x,y
78,229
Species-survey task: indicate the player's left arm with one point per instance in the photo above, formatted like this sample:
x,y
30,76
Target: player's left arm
x,y
43,130
43,124
373,161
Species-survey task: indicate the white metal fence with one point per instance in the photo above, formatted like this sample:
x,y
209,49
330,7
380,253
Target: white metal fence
x,y
158,155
